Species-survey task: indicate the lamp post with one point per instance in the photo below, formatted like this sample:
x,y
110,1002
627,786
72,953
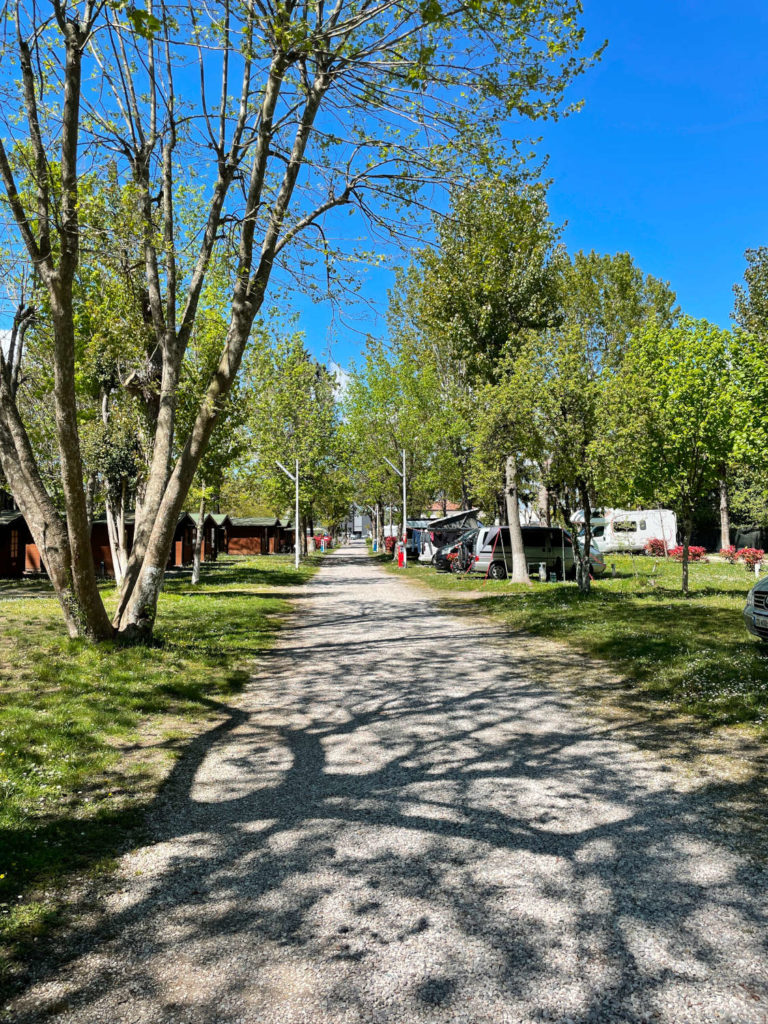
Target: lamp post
x,y
405,517
295,479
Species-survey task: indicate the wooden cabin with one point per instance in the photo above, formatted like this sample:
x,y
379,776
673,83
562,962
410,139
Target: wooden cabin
x,y
15,538
183,547
216,528
254,535
102,552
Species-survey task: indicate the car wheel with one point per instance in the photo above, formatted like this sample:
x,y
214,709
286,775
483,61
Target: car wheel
x,y
497,571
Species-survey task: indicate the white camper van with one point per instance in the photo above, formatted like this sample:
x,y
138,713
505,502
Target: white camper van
x,y
620,529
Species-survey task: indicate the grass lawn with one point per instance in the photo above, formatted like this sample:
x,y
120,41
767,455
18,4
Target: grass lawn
x,y
694,654
87,732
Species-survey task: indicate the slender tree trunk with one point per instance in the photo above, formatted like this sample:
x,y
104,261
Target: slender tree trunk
x,y
581,553
543,509
122,538
725,519
519,565
380,526
687,531
114,544
196,556
90,496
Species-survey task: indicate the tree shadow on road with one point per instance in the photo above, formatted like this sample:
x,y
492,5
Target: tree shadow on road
x,y
428,833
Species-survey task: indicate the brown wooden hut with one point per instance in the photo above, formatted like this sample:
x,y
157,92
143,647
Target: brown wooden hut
x,y
102,552
183,547
14,540
215,534
254,535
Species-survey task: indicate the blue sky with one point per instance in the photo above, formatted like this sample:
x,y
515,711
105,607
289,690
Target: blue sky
x,y
668,159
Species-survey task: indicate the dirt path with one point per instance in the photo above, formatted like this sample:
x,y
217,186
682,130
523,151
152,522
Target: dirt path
x,y
403,821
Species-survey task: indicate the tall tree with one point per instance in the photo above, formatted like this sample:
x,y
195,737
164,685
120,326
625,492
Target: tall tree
x,y
292,415
491,279
605,301
674,417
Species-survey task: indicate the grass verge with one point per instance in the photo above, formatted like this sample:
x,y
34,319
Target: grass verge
x,y
87,732
692,653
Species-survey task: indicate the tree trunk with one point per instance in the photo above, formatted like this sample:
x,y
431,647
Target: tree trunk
x,y
40,514
545,515
90,495
114,544
687,531
519,565
196,557
581,552
725,519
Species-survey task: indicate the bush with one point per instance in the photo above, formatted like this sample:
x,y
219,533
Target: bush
x,y
655,547
730,554
389,544
751,557
695,553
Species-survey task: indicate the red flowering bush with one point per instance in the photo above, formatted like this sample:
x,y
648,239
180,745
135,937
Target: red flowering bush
x,y
389,544
695,553
730,554
655,547
751,557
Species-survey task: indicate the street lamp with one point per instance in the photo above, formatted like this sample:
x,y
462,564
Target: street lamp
x,y
295,479
405,517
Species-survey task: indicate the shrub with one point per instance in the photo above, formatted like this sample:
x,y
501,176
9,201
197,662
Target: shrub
x,y
751,557
655,547
389,544
695,553
730,554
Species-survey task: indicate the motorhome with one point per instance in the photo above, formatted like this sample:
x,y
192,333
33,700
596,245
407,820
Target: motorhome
x,y
621,529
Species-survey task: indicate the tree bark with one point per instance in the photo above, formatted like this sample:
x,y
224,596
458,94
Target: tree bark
x,y
581,552
40,514
519,565
687,531
725,519
196,557
543,508
114,544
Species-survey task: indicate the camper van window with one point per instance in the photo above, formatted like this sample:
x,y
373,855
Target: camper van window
x,y
642,524
625,526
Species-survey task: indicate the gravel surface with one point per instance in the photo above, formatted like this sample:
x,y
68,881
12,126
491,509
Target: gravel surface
x,y
403,821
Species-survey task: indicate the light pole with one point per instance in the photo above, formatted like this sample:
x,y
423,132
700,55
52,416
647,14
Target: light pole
x,y
295,479
405,517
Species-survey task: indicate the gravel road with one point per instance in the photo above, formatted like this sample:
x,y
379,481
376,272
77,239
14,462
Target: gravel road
x,y
402,820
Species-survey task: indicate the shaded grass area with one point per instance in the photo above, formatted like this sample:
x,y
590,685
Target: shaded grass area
x,y
693,653
87,731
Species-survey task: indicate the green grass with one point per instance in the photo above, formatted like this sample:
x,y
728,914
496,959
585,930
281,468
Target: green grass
x,y
88,731
693,654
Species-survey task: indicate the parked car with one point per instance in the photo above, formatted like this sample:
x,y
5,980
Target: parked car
x,y
756,610
442,561
551,546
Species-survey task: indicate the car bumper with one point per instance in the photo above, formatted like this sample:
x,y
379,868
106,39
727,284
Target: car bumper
x,y
752,627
